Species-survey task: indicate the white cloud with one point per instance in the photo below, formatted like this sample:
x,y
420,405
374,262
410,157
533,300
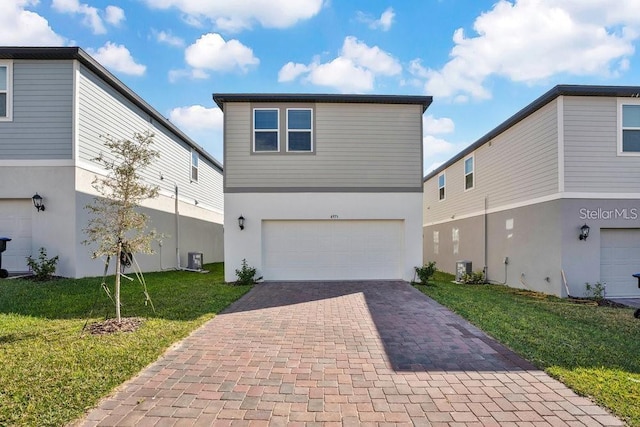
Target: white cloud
x,y
355,70
21,27
92,17
212,52
196,118
532,40
383,23
431,125
117,58
166,37
237,15
114,15
437,150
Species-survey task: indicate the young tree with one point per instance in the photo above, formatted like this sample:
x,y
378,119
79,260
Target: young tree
x,y
116,226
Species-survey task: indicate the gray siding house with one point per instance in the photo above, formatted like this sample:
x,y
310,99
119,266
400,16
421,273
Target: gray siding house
x,y
515,202
55,104
329,186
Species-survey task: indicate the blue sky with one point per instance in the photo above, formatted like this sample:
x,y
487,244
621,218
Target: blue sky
x,y
481,60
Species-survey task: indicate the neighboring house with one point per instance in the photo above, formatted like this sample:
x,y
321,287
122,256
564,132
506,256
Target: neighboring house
x,y
55,104
329,186
515,202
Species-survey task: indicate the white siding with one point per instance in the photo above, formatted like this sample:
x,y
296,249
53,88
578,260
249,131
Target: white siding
x,y
518,165
590,141
357,146
103,111
42,112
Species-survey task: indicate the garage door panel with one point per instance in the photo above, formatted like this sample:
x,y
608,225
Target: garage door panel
x,y
15,223
332,250
619,260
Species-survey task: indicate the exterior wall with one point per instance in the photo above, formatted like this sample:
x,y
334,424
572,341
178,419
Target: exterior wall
x,y
581,259
198,230
53,229
592,163
103,111
517,166
42,112
256,207
357,147
529,237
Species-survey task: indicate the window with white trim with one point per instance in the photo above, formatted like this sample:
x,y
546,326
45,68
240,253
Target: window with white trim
x,y
6,85
299,130
441,184
266,130
194,165
468,173
630,132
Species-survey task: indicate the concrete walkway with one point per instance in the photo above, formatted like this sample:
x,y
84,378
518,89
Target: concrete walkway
x,y
349,353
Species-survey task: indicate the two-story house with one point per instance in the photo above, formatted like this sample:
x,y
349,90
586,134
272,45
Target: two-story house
x,y
323,187
55,106
549,200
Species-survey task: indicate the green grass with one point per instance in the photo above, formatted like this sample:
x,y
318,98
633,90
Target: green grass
x,y
594,350
50,372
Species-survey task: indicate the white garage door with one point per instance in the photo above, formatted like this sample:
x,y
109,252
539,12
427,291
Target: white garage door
x,y
15,222
619,259
332,250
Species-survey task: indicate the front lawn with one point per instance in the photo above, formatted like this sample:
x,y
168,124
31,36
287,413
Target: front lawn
x,y
594,350
50,372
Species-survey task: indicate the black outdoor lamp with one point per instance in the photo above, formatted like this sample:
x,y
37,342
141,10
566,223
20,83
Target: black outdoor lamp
x,y
37,202
584,232
241,222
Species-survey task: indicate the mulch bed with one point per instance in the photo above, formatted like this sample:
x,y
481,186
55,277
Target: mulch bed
x,y
110,326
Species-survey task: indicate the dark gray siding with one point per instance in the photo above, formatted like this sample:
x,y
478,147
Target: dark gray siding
x,y
41,128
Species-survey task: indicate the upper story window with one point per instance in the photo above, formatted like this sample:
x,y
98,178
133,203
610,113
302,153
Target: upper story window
x,y
6,85
468,173
266,130
194,165
441,184
630,132
299,129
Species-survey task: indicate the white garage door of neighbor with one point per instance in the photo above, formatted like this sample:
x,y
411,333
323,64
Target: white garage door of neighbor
x,y
15,223
332,250
619,260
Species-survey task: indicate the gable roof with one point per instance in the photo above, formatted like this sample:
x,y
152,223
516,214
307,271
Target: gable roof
x,y
76,53
559,90
221,98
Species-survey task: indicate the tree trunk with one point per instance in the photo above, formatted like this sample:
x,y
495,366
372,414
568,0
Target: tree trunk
x,y
117,285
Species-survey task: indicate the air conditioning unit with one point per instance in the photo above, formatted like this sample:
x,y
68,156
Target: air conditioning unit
x,y
194,261
462,268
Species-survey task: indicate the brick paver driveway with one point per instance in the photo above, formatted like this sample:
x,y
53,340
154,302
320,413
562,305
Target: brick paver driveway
x,y
348,353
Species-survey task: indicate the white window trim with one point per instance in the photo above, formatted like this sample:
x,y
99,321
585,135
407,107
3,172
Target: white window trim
x,y
9,91
443,174
310,110
473,172
253,119
196,166
621,102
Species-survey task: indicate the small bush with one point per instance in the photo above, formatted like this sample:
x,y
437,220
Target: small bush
x,y
425,272
246,275
596,291
42,267
473,278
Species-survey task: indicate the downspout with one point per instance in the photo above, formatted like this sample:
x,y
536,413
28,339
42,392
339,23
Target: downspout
x,y
486,241
177,216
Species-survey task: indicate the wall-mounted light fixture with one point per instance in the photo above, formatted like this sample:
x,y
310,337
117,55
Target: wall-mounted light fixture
x,y
584,232
241,222
37,202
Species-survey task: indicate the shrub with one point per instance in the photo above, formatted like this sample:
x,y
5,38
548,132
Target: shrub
x,y
473,278
425,272
596,291
246,275
42,267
